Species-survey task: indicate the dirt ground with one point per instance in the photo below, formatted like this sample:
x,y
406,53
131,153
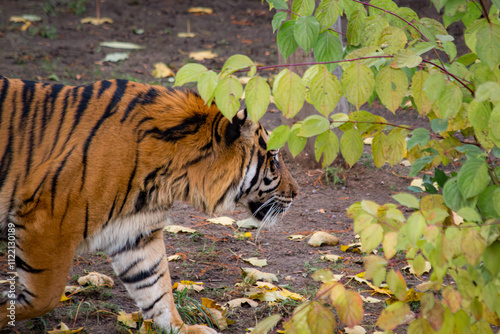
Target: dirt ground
x,y
212,256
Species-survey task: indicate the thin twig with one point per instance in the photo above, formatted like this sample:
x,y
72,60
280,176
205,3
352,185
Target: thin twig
x,y
451,74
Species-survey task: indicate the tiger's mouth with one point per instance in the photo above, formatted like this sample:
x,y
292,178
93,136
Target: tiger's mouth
x,y
266,210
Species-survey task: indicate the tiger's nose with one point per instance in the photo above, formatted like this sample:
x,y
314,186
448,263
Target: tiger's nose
x,y
294,193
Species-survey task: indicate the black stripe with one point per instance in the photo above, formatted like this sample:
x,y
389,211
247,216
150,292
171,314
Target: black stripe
x,y
150,307
150,284
143,274
7,156
21,299
111,109
144,98
255,179
3,96
49,107
105,84
112,211
85,95
130,181
20,264
132,265
61,120
56,177
188,127
85,231
215,128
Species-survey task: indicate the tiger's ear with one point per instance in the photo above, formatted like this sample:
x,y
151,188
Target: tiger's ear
x,y
239,125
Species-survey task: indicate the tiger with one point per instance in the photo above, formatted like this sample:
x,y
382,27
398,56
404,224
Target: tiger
x,y
97,167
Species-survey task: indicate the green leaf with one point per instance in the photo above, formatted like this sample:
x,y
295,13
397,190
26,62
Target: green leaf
x,y
351,146
327,14
491,258
391,86
328,48
327,144
479,114
257,97
393,315
373,27
486,204
439,125
338,120
488,91
424,105
266,325
320,319
289,93
407,58
392,39
306,32
450,101
488,45
278,137
407,200
296,143
357,84
469,214
207,83
278,19
324,91
384,4
278,4
415,226
302,7
473,178
397,284
235,63
453,198
349,308
314,125
435,86
375,268
286,40
420,164
473,246
422,47
355,27
395,147
371,237
419,136
450,49
378,145
227,96
189,73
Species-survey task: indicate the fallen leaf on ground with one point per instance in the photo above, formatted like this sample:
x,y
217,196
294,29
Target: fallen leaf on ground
x,y
190,285
127,319
25,18
249,223
370,300
116,57
257,275
186,34
201,55
216,312
63,329
331,257
200,10
96,21
326,275
368,141
162,71
178,228
225,221
174,257
322,238
243,235
256,262
382,290
355,247
122,45
296,237
427,267
96,279
355,330
238,302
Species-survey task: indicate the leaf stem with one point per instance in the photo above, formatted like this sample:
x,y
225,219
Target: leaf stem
x,y
452,75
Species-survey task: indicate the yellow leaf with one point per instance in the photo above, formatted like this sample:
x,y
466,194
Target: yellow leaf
x,y
331,257
291,295
355,329
371,300
355,247
190,285
127,319
200,10
147,327
186,34
162,71
296,237
427,267
96,279
256,275
255,261
65,330
225,221
381,290
174,257
64,298
322,238
201,55
96,21
25,18
177,228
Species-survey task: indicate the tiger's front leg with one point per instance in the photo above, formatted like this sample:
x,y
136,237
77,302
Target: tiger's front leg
x,y
143,268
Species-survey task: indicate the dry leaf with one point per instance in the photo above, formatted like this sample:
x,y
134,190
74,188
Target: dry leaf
x,y
238,302
427,268
147,327
63,329
64,298
127,319
201,55
225,221
257,275
249,223
292,295
72,289
25,18
256,262
368,141
178,228
355,330
122,45
382,290
96,279
190,285
331,257
96,21
162,71
370,300
186,34
200,10
296,237
355,247
216,312
322,238
174,257
116,57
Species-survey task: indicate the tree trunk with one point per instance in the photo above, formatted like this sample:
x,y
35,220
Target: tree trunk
x,y
307,157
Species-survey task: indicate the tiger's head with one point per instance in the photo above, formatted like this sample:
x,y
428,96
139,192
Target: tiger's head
x,y
214,163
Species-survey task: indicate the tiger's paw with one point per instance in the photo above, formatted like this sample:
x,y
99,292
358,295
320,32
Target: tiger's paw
x,y
200,329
